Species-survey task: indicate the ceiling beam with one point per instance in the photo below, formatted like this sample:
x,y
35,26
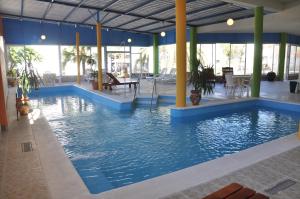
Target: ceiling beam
x,y
147,24
219,14
223,21
155,13
73,10
202,9
107,10
128,11
159,28
5,15
22,8
47,10
269,5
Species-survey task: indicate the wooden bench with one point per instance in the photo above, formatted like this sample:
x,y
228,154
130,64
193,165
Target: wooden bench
x,y
236,191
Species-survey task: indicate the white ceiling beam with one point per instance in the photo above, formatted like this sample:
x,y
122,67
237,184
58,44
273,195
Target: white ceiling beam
x,y
269,5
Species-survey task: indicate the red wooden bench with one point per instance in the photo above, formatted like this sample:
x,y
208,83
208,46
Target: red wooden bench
x,y
236,191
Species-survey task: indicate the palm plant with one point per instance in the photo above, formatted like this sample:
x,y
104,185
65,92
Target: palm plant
x,y
28,75
70,55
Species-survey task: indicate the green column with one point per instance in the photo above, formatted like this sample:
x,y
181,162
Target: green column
x,y
193,47
155,54
257,64
281,59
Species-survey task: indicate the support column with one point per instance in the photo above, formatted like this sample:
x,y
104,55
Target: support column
x,y
281,59
257,64
180,53
99,46
78,57
193,48
155,54
59,64
3,85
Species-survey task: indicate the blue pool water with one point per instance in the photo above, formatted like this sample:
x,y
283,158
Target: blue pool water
x,y
111,149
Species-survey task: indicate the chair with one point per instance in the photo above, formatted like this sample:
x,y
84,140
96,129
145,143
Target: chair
x,y
168,77
113,81
236,191
230,86
226,70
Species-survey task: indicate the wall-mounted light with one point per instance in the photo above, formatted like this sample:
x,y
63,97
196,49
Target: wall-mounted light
x,y
230,22
163,34
129,40
43,37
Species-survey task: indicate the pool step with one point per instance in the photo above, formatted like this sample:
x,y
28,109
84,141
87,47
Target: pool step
x,y
146,100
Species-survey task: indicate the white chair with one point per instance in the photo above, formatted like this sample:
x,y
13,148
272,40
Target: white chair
x,y
168,77
230,86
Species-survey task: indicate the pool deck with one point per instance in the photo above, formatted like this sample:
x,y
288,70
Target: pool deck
x,y
46,172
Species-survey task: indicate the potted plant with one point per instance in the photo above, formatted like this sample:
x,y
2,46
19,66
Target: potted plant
x,y
201,79
28,78
12,76
271,76
94,77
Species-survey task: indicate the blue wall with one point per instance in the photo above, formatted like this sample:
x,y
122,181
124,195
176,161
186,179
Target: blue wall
x,y
29,32
294,39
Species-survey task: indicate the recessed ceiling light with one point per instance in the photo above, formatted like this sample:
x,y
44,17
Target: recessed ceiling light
x,y
163,34
43,37
230,22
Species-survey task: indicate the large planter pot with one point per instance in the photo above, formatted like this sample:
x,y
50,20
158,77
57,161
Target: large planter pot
x,y
24,109
23,106
11,81
271,76
95,85
195,97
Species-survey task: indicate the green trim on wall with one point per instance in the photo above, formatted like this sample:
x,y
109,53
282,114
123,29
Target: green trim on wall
x,y
281,57
193,47
257,63
155,54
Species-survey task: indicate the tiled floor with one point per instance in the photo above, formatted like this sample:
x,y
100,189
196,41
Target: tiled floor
x,y
22,177
260,176
21,173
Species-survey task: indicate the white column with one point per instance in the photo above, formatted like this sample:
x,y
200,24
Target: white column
x,y
60,64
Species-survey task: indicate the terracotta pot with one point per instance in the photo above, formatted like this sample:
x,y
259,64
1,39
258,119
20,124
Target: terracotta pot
x,y
24,109
195,97
95,85
12,81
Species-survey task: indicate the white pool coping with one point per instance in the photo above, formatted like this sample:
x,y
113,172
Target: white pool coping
x,y
64,181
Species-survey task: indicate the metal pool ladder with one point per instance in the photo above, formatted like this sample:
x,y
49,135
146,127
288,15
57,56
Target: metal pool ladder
x,y
153,91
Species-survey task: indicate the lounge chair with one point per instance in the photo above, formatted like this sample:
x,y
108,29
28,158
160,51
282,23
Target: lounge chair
x,y
113,81
168,77
235,191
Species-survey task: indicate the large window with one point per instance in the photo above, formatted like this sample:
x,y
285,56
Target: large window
x,y
167,57
140,60
237,59
118,60
293,59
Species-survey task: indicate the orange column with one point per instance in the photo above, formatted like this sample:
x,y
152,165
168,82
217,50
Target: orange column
x,y
78,56
180,53
3,113
99,46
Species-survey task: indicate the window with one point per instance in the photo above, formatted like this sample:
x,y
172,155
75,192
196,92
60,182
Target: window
x,y
222,57
167,57
49,62
140,60
118,60
237,59
249,59
297,68
292,59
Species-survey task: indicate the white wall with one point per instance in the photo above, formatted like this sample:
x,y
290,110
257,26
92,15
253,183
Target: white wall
x,y
287,20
